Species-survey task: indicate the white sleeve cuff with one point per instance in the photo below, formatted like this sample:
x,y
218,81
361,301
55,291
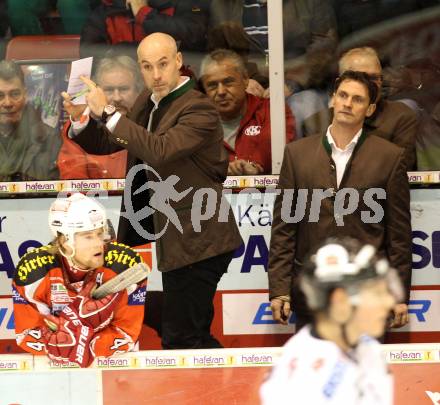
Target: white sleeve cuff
x,y
77,127
112,122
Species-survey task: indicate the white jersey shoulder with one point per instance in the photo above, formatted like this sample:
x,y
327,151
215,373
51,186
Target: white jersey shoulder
x,y
316,371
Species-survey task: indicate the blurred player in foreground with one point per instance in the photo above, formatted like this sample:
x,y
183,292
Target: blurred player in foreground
x,y
53,308
336,359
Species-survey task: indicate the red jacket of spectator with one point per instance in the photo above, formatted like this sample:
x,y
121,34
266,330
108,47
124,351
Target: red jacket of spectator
x,y
75,163
253,142
112,23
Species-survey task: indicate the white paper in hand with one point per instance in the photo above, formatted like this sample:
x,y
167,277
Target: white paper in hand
x,y
80,67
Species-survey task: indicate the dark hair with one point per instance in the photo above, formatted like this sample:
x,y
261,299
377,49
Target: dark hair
x,y
360,77
10,70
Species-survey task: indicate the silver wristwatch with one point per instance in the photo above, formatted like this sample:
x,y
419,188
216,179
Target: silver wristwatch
x,y
108,111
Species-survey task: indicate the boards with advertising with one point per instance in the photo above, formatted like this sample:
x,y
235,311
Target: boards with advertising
x,y
243,316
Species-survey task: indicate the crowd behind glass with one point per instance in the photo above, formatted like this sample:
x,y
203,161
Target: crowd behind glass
x,y
225,50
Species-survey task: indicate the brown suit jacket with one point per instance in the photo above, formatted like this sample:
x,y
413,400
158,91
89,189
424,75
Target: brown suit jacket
x,y
392,120
186,140
308,165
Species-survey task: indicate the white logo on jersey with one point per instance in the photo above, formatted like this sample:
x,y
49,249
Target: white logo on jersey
x,y
81,345
72,316
118,342
99,278
59,294
253,130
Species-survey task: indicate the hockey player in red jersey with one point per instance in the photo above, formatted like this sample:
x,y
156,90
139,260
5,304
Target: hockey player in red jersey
x,y
53,308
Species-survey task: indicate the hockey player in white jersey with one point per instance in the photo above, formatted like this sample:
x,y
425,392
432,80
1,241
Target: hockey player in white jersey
x,y
337,359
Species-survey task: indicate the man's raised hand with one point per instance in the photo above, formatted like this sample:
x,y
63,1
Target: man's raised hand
x,y
96,99
74,110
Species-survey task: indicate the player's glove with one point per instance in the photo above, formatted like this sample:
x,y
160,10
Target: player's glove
x,y
68,340
97,314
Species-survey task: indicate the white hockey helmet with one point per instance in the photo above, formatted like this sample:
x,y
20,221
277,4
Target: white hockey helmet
x,y
348,264
77,213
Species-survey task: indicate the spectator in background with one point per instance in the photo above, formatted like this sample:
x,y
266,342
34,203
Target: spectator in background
x,y
309,44
245,118
392,120
340,159
428,142
28,147
4,27
25,16
355,15
121,81
402,34
126,23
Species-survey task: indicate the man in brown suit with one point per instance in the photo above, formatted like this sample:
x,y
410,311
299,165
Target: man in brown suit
x,y
334,169
392,120
176,131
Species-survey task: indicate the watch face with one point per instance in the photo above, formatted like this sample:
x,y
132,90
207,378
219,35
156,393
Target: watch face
x,y
109,109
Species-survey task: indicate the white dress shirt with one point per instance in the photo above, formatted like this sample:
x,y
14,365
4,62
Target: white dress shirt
x,y
341,156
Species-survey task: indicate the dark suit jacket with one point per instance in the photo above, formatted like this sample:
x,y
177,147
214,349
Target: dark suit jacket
x,y
392,120
186,140
308,165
